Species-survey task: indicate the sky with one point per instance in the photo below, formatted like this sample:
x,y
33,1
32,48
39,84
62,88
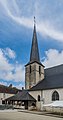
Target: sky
x,y
16,31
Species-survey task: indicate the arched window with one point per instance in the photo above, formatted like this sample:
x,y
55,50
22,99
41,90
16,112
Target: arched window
x,y
55,96
38,97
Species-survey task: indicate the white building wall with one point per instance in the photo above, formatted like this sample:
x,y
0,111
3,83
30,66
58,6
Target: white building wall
x,y
3,96
35,95
46,96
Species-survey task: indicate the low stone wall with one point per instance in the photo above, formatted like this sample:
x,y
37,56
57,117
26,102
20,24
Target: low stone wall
x,y
54,109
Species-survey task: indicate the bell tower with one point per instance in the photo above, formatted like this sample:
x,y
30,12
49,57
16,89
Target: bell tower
x,y
34,70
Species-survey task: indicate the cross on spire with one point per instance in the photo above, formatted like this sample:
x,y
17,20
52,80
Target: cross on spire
x,y
34,20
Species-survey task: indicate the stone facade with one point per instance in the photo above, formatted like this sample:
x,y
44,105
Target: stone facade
x,y
33,74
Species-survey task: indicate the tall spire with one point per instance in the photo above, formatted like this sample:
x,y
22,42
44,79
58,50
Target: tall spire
x,y
34,56
34,20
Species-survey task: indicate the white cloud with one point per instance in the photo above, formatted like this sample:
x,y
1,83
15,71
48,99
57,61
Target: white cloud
x,y
4,63
20,20
17,74
53,58
45,27
9,71
3,83
19,86
10,53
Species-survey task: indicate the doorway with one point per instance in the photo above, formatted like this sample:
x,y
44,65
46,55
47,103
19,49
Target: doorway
x,y
26,104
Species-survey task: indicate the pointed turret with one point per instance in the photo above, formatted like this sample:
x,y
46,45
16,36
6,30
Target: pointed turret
x,y
34,56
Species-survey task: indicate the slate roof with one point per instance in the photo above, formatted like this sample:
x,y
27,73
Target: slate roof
x,y
54,70
5,89
21,96
53,79
34,55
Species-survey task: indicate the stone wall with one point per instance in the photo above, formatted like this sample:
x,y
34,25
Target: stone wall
x,y
33,76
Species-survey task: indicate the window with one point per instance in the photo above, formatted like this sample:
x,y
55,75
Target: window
x,y
39,69
38,97
30,68
55,96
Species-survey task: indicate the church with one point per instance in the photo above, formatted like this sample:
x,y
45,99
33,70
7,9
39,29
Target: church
x,y
45,85
42,86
